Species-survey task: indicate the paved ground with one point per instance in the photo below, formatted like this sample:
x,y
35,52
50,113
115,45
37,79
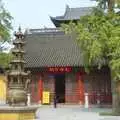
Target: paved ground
x,y
72,112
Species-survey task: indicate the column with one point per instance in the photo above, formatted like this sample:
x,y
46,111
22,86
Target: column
x,y
28,99
80,88
32,91
52,87
40,89
86,101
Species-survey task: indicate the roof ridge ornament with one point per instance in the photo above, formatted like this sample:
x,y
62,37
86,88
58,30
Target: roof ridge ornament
x,y
67,6
67,9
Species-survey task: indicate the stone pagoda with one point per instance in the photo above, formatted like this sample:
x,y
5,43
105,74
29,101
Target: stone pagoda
x,y
18,79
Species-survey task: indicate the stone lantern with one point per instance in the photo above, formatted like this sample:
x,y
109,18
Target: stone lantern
x,y
18,79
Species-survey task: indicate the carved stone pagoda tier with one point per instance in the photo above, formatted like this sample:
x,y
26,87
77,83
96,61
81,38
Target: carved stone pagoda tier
x,y
17,78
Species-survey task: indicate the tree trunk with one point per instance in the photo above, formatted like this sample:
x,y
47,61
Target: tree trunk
x,y
111,4
116,96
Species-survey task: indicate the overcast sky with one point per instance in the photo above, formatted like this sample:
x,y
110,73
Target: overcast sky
x,y
35,13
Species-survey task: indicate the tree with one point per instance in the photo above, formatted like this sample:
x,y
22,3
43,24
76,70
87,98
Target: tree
x,y
5,59
108,4
5,25
98,36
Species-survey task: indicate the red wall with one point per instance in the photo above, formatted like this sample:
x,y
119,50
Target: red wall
x,y
71,89
76,84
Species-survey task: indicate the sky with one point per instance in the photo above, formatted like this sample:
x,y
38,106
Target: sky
x,y
35,13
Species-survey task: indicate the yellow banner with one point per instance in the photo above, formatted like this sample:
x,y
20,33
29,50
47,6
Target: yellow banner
x,y
46,97
2,88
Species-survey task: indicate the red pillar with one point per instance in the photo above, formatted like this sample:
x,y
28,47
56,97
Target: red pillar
x,y
32,91
40,88
80,88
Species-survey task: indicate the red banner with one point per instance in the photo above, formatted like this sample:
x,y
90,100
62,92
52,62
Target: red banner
x,y
59,69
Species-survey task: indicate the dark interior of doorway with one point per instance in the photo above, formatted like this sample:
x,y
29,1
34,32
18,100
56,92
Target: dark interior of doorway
x,y
60,87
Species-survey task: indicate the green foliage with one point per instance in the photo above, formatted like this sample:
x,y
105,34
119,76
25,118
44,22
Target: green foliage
x,y
5,23
102,3
98,35
5,27
108,4
5,59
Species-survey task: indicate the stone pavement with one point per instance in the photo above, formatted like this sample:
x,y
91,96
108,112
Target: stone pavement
x,y
72,112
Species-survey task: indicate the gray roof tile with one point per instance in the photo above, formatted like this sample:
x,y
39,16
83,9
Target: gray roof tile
x,y
53,49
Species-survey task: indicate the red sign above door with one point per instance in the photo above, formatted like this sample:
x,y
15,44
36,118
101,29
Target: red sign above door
x,y
59,69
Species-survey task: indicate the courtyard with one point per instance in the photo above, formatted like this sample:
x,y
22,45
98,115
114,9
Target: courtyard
x,y
72,112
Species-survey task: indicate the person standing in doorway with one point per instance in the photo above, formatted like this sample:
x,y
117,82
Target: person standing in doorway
x,y
55,101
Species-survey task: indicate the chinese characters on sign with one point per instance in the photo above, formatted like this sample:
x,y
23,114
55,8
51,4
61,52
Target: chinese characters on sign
x,y
46,97
59,69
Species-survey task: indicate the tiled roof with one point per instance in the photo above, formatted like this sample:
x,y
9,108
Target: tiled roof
x,y
72,14
51,49
75,13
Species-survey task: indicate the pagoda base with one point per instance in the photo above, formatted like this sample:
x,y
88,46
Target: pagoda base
x,y
18,113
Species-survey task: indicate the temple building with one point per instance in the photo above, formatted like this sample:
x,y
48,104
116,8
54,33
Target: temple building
x,y
57,65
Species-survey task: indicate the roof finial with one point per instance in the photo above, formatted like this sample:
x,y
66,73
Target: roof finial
x,y
19,29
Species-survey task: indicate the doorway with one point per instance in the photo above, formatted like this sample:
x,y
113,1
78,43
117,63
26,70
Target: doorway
x,y
60,87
